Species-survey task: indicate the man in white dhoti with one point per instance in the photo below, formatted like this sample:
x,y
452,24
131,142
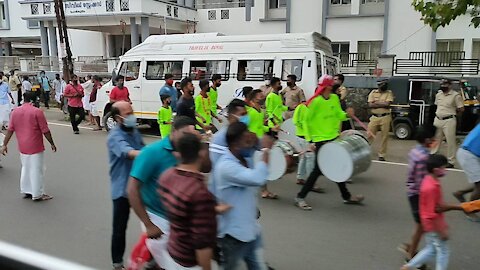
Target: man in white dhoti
x,y
30,125
6,102
88,88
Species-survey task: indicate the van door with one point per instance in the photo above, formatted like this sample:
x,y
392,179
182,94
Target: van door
x,y
153,80
130,70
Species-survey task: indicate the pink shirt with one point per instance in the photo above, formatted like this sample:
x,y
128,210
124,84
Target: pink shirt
x,y
74,95
29,124
430,197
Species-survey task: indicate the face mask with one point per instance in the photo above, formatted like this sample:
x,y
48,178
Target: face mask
x,y
444,88
383,87
243,119
130,121
75,81
192,92
247,152
289,84
441,172
279,88
267,82
120,85
261,102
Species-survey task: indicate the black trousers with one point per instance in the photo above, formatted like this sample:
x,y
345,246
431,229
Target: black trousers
x,y
46,98
121,213
74,111
20,97
312,178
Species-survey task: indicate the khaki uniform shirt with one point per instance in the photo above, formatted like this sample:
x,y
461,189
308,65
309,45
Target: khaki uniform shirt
x,y
5,79
342,90
378,96
447,104
266,89
14,81
292,97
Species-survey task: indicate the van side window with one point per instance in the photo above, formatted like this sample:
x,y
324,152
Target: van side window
x,y
254,70
292,67
200,70
130,70
331,65
156,70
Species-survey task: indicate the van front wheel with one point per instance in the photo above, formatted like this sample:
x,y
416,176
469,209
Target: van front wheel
x,y
108,121
403,131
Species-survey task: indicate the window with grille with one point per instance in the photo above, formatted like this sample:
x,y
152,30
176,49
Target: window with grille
x,y
34,9
277,3
169,10
175,12
453,45
371,49
340,47
212,14
124,5
292,67
340,2
225,14
372,1
254,70
33,24
110,5
476,49
47,8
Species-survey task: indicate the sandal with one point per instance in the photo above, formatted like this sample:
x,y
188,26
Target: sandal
x,y
300,182
354,200
318,189
269,195
44,197
302,204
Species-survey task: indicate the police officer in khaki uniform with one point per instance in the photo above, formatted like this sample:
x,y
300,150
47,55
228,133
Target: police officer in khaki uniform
x,y
449,103
379,102
292,96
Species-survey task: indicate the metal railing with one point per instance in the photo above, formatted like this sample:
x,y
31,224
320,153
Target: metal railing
x,y
356,63
437,63
233,4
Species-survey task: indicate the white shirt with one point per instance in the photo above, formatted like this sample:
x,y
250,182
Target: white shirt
x,y
88,87
27,86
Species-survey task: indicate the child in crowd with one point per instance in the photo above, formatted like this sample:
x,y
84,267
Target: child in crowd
x,y
165,116
432,217
417,170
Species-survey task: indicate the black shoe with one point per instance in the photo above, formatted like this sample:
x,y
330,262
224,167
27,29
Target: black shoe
x,y
381,159
27,196
76,132
450,166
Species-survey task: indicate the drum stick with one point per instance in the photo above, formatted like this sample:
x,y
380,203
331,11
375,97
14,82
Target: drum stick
x,y
363,126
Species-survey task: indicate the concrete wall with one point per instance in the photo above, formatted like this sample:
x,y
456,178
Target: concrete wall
x,y
237,25
306,16
87,43
355,29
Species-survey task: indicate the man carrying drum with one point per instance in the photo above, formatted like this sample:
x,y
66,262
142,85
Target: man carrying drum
x,y
379,102
323,121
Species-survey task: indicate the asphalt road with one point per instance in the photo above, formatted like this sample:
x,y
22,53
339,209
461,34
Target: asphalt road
x,y
76,224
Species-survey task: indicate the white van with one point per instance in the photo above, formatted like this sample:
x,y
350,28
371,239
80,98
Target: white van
x,y
245,60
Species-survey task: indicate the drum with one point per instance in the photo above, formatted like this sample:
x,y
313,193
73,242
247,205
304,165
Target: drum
x,y
287,133
345,157
283,160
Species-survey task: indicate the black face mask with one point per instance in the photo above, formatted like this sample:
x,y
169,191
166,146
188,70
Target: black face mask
x,y
261,102
290,84
444,88
383,87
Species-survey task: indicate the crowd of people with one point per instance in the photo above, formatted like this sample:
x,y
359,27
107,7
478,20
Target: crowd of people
x,y
191,221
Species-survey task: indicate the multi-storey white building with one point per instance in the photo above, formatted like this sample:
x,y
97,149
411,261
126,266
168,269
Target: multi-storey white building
x,y
361,30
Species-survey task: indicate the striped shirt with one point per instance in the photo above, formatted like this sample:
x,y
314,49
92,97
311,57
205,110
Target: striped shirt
x,y
417,169
191,211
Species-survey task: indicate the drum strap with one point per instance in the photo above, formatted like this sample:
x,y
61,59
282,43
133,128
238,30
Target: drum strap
x,y
215,148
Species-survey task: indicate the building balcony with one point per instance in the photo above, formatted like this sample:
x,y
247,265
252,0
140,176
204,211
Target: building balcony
x,y
356,64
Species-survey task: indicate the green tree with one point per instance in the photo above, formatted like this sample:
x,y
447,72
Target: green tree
x,y
439,13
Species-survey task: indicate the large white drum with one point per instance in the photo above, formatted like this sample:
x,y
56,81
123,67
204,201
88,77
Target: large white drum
x,y
277,166
222,115
287,133
345,157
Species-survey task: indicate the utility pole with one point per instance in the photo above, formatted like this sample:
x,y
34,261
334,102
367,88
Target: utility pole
x,y
64,42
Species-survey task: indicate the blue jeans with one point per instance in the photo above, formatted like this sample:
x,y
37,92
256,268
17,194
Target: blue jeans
x,y
307,161
235,251
435,248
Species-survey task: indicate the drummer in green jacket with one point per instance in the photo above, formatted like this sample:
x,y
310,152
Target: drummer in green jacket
x,y
274,104
322,126
257,125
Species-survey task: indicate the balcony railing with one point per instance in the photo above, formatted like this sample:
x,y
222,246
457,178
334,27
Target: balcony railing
x,y
437,63
356,63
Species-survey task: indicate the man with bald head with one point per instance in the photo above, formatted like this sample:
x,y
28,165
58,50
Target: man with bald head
x,y
124,144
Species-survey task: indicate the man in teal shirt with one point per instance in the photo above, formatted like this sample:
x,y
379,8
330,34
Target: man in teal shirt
x,y
144,198
45,88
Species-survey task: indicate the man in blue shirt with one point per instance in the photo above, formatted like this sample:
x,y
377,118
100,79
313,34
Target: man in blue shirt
x,y
45,88
143,194
124,144
237,183
5,103
469,158
169,89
